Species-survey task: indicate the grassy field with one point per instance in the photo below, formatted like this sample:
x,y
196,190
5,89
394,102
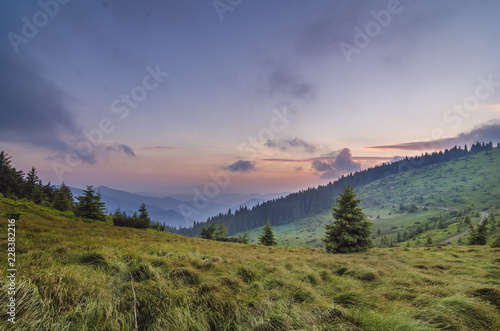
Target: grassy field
x,y
77,276
473,182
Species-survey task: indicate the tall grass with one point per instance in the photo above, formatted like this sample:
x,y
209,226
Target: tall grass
x,y
76,276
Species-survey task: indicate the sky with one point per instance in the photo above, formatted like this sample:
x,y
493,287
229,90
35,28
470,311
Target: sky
x,y
241,96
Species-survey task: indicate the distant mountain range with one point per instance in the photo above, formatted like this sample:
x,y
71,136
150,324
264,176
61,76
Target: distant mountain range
x,y
176,210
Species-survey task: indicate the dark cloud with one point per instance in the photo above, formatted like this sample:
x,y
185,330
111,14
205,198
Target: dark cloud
x,y
321,37
33,110
486,132
321,166
121,148
37,113
282,79
241,166
333,168
408,30
344,163
284,145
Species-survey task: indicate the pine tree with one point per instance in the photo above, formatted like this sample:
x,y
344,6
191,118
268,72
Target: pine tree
x,y
267,237
11,180
143,220
351,231
221,232
32,181
63,199
478,235
208,233
90,205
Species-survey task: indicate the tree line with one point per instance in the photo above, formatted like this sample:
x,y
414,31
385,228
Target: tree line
x,y
314,200
15,184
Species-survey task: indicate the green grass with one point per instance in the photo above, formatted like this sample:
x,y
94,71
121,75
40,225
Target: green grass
x,y
473,181
76,276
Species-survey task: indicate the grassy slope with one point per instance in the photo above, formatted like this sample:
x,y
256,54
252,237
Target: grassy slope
x,y
473,180
76,276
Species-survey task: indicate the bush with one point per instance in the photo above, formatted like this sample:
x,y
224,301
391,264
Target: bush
x,y
496,243
13,215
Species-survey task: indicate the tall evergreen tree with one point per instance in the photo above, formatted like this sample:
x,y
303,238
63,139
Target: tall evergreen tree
x,y
143,220
208,233
90,205
63,198
221,232
267,237
351,231
11,180
479,234
32,181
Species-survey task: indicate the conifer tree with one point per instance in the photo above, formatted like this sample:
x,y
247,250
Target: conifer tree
x,y
221,232
351,231
63,198
90,205
11,180
143,220
267,237
478,235
208,233
32,181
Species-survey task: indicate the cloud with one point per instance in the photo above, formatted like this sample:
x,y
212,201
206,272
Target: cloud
x,y
330,174
321,166
344,163
486,132
333,168
121,148
284,80
284,145
33,110
158,148
299,169
241,166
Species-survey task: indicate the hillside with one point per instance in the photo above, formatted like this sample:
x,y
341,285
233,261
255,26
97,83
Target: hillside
x,y
76,276
313,201
438,190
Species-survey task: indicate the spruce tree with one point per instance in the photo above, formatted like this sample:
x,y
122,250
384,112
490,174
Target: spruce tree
x,y
63,198
142,220
11,180
267,237
90,205
208,233
479,234
221,232
31,183
351,231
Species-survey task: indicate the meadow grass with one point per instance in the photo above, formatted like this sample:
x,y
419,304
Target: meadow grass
x,y
473,182
76,276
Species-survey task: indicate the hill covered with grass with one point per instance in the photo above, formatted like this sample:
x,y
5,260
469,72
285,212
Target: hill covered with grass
x,y
77,276
401,202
